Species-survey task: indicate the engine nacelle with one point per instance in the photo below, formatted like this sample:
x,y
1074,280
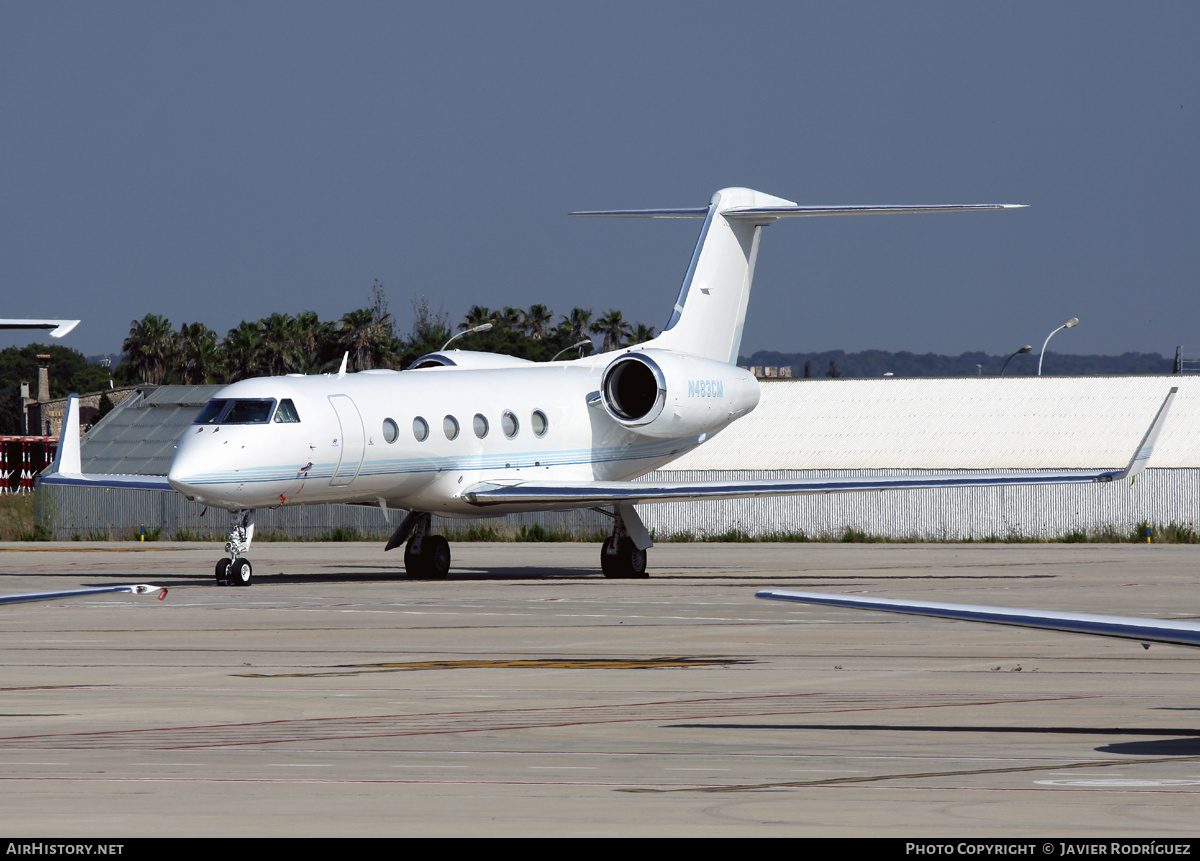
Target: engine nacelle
x,y
467,359
663,394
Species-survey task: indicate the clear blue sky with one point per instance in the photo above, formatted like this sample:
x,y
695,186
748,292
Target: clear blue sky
x,y
222,161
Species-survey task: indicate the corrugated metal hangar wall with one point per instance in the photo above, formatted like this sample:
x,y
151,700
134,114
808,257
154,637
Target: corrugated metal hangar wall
x,y
801,428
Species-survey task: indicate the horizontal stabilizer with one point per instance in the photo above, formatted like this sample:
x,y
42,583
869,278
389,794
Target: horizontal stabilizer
x,y
773,212
691,212
1121,627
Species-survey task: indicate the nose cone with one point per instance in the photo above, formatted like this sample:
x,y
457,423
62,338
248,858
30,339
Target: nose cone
x,y
187,466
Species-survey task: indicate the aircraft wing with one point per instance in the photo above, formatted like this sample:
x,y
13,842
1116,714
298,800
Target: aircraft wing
x,y
58,327
140,589
1123,627
635,492
589,493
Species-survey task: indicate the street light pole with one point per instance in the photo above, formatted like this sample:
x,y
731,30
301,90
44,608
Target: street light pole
x,y
1027,348
483,327
585,342
1067,325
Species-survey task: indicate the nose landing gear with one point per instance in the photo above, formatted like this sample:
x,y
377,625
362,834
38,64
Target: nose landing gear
x,y
236,570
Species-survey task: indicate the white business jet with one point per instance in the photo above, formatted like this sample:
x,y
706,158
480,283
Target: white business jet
x,y
469,434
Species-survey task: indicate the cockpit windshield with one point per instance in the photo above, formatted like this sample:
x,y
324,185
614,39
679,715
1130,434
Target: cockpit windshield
x,y
287,411
242,411
211,414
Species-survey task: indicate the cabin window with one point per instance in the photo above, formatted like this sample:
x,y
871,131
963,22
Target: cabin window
x,y
420,429
391,431
509,424
480,425
286,413
450,427
539,423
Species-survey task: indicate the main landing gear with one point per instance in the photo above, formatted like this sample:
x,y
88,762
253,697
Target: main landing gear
x,y
426,557
236,570
623,555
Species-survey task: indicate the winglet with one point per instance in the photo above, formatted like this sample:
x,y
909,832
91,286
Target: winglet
x,y
342,370
67,459
1138,462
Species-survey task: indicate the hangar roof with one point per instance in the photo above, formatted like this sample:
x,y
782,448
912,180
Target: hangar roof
x,y
138,437
957,423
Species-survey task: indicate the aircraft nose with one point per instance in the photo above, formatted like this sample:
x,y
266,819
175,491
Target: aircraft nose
x,y
186,467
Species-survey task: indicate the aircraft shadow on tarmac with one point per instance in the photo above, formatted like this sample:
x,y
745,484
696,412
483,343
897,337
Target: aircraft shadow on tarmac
x,y
1184,742
367,573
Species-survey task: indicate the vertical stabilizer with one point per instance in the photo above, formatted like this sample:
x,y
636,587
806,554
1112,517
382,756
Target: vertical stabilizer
x,y
711,309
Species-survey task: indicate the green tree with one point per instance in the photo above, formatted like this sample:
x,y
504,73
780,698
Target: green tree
x,y
198,358
243,347
150,348
614,328
536,321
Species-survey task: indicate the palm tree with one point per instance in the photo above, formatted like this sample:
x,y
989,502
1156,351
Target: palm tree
x,y
368,339
511,318
315,343
614,328
243,348
279,343
641,334
198,359
574,327
150,347
537,321
477,315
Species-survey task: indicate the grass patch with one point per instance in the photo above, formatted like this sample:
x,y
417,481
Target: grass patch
x,y
16,517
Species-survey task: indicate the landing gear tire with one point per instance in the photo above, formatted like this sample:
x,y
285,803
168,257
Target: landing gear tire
x,y
432,563
628,563
222,572
240,572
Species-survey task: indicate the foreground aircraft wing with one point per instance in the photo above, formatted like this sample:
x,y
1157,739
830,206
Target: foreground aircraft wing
x,y
67,468
58,327
1123,627
28,597
567,494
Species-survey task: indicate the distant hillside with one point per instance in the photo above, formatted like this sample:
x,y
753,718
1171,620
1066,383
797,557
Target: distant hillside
x,y
876,363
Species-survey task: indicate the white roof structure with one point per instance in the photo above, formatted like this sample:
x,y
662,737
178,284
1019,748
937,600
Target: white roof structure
x,y
959,423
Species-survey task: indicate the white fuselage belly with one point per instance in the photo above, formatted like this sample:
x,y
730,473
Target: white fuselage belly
x,y
338,452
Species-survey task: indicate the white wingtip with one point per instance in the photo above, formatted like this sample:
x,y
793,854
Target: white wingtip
x,y
64,328
1142,456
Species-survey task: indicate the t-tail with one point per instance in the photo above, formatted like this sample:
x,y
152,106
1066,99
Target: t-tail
x,y
709,314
